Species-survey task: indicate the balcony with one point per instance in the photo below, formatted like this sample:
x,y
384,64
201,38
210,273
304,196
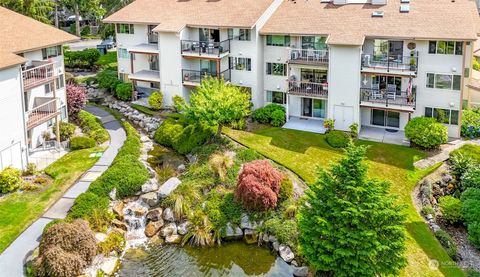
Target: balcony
x,y
144,48
308,56
382,98
145,76
195,77
152,38
395,64
308,89
45,108
193,48
37,74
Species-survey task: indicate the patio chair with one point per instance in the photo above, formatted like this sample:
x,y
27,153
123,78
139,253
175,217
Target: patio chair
x,y
310,53
376,93
391,91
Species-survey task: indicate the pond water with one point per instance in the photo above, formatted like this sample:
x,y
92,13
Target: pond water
x,y
165,161
229,259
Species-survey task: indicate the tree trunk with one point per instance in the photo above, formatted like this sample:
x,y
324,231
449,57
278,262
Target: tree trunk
x,y
56,14
77,19
219,130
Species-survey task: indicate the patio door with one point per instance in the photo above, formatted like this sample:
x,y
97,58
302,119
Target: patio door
x,y
307,107
383,81
208,67
209,35
385,118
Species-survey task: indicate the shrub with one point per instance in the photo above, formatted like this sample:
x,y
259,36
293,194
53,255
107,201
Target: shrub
x,y
451,209
31,169
220,163
178,103
155,100
286,189
66,130
470,203
239,125
65,250
92,127
76,99
428,210
10,179
270,114
470,123
258,185
167,131
285,230
277,118
337,139
354,130
460,163
114,242
78,143
108,79
471,178
27,186
472,273
474,234
329,124
40,180
426,132
447,242
86,203
86,31
123,91
83,59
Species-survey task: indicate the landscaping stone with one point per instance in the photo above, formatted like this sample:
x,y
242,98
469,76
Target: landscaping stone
x,y
113,194
173,239
150,198
276,246
286,253
272,239
150,185
265,237
155,214
168,215
118,209
156,239
233,233
181,168
182,228
300,271
119,224
100,237
245,223
168,230
139,211
192,158
250,236
110,266
152,228
168,187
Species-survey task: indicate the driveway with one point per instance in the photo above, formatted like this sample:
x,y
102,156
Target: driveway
x,y
84,44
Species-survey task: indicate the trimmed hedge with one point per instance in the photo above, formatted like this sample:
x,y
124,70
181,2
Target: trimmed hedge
x,y
470,203
426,132
92,127
77,143
86,203
337,139
272,114
123,91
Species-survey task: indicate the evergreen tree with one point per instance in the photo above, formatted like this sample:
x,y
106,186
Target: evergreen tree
x,y
349,225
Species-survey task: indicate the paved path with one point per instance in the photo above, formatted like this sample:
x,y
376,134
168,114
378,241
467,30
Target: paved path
x,y
444,153
13,258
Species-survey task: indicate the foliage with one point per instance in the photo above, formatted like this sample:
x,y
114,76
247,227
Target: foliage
x,y
349,220
77,143
123,91
222,209
86,203
239,125
460,163
220,163
329,124
447,242
199,231
108,60
155,100
216,103
86,31
475,64
85,7
114,242
337,139
470,123
451,209
92,127
272,114
65,250
472,273
66,130
37,9
471,178
354,130
426,132
285,230
470,203
144,110
10,179
428,210
178,103
258,185
286,189
31,169
76,99
108,79
27,186
81,59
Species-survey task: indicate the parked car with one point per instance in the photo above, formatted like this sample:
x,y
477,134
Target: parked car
x,y
109,42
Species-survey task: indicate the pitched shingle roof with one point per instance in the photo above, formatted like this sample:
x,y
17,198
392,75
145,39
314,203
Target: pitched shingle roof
x,y
8,59
350,24
173,15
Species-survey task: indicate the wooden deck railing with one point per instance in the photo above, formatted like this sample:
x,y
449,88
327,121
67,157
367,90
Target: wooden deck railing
x,y
38,75
43,112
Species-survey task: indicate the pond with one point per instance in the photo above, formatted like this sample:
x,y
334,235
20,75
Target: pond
x,y
229,259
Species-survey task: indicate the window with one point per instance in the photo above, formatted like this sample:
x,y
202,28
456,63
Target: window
x,y
125,29
277,97
48,88
278,69
278,40
444,81
123,53
60,81
240,63
63,112
317,43
445,47
445,116
239,34
155,85
51,52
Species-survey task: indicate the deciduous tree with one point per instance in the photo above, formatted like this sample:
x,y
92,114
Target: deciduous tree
x,y
37,9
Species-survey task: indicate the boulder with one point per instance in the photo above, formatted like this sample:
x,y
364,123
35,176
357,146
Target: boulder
x,y
139,211
192,158
265,237
245,223
118,209
113,194
272,239
156,239
168,230
155,214
100,237
251,236
233,233
276,246
301,271
173,239
110,265
182,228
181,168
150,185
119,224
152,228
447,178
286,253
150,198
168,215
168,187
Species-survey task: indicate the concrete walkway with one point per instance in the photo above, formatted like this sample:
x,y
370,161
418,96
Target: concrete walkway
x,y
13,258
444,153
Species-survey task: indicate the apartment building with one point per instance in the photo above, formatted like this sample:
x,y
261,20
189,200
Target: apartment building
x,y
32,86
377,63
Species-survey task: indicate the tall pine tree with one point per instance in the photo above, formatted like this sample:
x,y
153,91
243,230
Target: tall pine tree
x,y
349,225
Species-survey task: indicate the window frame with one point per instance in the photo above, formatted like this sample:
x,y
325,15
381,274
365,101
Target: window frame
x,y
270,69
235,63
125,28
60,82
455,85
123,53
285,43
447,47
56,51
449,113
270,97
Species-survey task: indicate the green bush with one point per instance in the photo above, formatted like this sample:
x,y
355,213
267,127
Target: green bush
x,y
277,118
472,273
239,125
83,59
270,114
66,130
285,230
474,234
178,103
471,178
108,79
86,203
447,242
77,143
337,139
92,127
460,163
86,31
470,123
470,203
428,210
426,132
451,209
286,189
155,100
329,124
354,130
114,242
166,132
123,91
10,179
30,170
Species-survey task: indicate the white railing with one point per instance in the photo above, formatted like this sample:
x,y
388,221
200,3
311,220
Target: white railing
x,y
47,109
310,56
308,88
38,75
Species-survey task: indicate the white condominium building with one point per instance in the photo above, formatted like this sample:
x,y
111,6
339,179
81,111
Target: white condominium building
x,y
377,63
32,86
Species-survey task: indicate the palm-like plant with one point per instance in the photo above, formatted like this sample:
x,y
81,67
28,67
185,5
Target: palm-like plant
x,y
200,231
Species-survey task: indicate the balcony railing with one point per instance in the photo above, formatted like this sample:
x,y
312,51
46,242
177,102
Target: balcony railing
x,y
39,73
308,88
202,48
387,98
196,76
152,38
390,62
308,56
46,108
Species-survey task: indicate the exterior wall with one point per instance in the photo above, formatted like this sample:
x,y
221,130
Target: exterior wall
x,y
274,54
128,40
13,139
171,66
366,115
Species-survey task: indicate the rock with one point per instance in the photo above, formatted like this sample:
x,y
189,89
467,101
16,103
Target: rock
x,y
152,228
113,194
265,237
150,198
294,263
181,168
100,237
435,228
272,239
155,214
173,239
429,217
119,224
150,185
156,239
250,236
182,228
192,158
168,215
276,246
233,233
245,223
300,271
110,266
447,178
118,209
286,253
168,230
168,187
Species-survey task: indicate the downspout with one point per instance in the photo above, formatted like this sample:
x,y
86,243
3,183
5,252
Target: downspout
x,y
25,137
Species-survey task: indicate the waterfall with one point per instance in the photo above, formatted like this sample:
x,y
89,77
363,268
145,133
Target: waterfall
x,y
135,218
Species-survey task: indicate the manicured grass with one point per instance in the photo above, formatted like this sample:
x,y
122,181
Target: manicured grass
x,y
145,110
304,152
19,210
108,60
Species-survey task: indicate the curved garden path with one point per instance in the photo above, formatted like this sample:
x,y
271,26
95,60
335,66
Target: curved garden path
x,y
13,258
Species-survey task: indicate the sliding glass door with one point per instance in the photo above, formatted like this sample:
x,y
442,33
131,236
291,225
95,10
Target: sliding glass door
x,y
316,108
385,118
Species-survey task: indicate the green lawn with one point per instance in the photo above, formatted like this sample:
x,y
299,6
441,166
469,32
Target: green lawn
x,y
304,152
108,60
19,210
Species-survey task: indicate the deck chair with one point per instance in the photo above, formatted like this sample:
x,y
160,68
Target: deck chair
x,y
391,91
376,93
